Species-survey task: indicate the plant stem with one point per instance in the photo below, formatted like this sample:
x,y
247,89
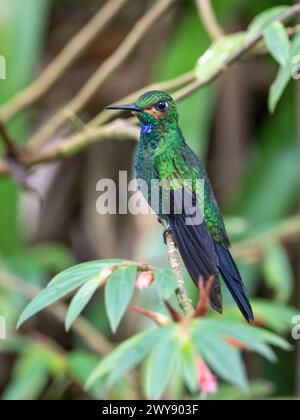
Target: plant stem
x,y
209,19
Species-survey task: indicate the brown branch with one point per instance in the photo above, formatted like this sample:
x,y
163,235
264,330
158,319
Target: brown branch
x,y
77,142
168,85
118,129
209,19
63,61
174,259
132,40
233,58
10,146
188,78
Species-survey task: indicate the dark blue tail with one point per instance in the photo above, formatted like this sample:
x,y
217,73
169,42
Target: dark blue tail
x,y
233,281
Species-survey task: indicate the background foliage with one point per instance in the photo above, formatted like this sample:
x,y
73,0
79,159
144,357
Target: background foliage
x,y
249,140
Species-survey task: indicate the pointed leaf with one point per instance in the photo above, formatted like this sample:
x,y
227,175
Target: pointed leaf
x,y
63,284
118,293
255,339
223,359
278,272
264,19
166,283
188,360
274,315
129,354
278,43
81,299
213,59
295,45
161,364
277,89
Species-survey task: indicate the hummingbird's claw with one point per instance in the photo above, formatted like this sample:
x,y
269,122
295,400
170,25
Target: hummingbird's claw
x,y
167,230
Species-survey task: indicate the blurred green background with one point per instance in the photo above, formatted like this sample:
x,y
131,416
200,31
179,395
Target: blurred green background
x,y
252,158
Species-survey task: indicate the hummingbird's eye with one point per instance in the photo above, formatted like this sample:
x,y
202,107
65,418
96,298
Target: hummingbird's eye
x,y
162,106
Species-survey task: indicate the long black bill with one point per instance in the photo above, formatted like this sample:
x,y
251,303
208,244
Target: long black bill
x,y
131,108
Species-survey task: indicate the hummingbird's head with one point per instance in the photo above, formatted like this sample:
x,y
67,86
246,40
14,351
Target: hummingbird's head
x,y
152,108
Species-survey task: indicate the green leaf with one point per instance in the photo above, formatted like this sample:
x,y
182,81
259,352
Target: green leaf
x,y
224,359
264,19
188,361
274,315
81,299
213,59
278,87
278,43
295,56
81,364
256,339
129,354
165,282
161,364
211,340
22,31
295,45
118,293
278,272
62,285
30,376
85,270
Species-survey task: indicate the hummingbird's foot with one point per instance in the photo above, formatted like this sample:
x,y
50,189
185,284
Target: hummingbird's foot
x,y
160,220
167,231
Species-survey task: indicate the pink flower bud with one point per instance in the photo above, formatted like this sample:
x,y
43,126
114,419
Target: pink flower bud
x,y
207,382
144,280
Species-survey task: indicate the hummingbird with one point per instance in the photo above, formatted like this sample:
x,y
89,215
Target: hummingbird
x,y
164,155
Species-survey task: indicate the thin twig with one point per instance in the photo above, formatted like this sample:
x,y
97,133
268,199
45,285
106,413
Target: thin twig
x,y
188,78
77,142
168,85
132,40
233,58
118,130
174,259
10,146
63,61
209,19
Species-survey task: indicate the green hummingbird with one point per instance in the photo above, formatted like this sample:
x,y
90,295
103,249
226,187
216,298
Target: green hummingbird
x,y
163,155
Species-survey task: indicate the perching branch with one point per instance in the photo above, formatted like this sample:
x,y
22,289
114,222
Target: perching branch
x,y
209,19
174,259
132,40
63,61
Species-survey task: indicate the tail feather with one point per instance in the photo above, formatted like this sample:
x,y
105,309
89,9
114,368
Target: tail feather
x,y
198,254
233,281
